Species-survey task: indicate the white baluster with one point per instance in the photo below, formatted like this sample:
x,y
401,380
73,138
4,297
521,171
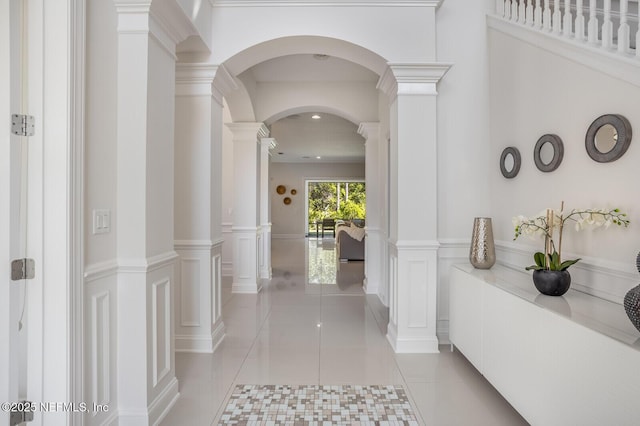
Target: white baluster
x,y
530,19
557,17
593,23
607,26
522,12
623,29
546,16
500,8
514,10
579,25
537,16
568,19
507,9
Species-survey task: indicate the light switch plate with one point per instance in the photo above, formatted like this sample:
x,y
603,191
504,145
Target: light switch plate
x,y
101,221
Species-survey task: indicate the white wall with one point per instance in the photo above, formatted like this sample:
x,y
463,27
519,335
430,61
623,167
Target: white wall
x,y
534,92
227,194
100,151
289,220
100,294
464,160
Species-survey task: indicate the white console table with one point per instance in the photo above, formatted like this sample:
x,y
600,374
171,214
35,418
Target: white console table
x,y
568,360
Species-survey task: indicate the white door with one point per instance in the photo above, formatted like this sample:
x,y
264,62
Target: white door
x,y
13,214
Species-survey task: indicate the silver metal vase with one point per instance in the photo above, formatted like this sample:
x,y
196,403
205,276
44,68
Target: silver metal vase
x,y
482,253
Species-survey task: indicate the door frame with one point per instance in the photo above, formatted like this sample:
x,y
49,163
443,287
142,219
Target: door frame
x,y
56,43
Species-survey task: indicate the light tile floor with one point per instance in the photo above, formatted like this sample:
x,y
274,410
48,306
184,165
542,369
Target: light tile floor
x,y
299,333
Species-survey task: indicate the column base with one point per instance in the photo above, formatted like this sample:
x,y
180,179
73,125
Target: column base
x,y
201,344
412,345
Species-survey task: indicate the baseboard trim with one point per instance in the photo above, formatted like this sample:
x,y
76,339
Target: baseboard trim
x,y
240,288
164,402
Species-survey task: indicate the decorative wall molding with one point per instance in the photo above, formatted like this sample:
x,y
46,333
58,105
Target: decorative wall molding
x,y
161,329
101,349
197,244
417,245
100,270
149,264
626,68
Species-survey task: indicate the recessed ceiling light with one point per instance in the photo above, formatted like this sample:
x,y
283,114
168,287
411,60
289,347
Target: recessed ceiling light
x,y
316,117
318,157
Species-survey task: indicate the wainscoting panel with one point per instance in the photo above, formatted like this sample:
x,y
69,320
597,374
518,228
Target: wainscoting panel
x,y
100,347
190,292
418,271
161,328
100,334
227,250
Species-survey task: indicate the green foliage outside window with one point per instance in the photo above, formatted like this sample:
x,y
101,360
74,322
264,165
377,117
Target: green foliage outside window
x,y
325,204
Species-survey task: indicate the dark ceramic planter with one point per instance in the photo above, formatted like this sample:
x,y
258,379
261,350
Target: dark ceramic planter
x,y
552,283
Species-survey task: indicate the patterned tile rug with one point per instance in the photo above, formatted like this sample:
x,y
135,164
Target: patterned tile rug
x,y
318,405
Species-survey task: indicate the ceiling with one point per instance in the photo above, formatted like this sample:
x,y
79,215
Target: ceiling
x,y
300,138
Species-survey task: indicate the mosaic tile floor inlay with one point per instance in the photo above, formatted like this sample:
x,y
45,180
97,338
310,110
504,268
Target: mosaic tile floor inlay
x,y
318,405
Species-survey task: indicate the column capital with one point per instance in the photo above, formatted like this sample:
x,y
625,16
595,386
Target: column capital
x,y
223,83
412,78
369,130
165,21
248,131
194,79
268,143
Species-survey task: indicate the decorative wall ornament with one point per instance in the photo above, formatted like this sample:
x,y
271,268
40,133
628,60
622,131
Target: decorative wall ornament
x,y
294,192
548,152
287,200
510,161
608,138
482,253
281,189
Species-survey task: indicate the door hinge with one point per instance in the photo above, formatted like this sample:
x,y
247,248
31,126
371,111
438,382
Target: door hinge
x,y
22,414
23,125
23,269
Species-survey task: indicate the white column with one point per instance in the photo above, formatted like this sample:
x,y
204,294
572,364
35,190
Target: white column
x,y
413,206
147,386
373,178
246,198
266,144
199,327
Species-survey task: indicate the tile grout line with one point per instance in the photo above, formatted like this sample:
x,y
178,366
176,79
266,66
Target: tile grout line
x,y
233,385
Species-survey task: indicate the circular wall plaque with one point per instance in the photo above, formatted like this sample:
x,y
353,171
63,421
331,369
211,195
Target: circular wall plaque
x,y
608,138
287,200
548,153
281,189
294,192
510,162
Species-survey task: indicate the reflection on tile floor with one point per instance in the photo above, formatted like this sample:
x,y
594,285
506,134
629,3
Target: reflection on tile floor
x,y
297,333
315,404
